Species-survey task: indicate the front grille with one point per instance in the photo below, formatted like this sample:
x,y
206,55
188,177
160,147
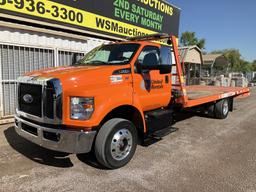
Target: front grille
x,y
30,99
44,101
53,99
49,101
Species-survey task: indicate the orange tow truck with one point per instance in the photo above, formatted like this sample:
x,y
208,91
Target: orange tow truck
x,y
116,95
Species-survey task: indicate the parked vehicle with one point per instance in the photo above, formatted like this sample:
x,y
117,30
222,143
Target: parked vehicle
x,y
117,94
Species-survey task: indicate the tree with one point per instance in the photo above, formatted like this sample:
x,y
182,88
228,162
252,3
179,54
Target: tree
x,y
234,58
245,66
189,38
254,65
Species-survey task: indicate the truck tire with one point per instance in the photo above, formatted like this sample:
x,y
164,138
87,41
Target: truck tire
x,y
222,109
211,110
116,143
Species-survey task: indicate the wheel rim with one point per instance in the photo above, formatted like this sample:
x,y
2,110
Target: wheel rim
x,y
225,107
121,144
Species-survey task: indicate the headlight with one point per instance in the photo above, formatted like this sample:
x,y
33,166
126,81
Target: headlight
x,y
81,108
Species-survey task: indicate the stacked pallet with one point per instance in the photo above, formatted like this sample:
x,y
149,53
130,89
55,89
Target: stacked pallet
x,y
239,79
223,81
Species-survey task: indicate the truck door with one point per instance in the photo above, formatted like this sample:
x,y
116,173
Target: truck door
x,y
152,88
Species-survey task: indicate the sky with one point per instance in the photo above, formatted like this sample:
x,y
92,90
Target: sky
x,y
223,23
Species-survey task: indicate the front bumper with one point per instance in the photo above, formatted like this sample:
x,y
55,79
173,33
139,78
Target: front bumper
x,y
55,139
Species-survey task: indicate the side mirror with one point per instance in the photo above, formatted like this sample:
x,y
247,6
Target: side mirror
x,y
165,69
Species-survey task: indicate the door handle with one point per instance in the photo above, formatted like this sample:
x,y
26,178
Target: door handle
x,y
166,79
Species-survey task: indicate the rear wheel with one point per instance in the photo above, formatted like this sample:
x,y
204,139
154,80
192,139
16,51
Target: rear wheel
x,y
211,110
116,143
222,109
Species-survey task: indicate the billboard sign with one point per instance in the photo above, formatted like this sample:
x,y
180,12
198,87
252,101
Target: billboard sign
x,y
116,18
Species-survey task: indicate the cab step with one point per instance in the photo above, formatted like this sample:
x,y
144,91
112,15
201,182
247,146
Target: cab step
x,y
158,120
157,136
164,132
159,113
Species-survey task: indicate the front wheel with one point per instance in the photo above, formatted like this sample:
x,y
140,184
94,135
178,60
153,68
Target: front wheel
x,y
116,143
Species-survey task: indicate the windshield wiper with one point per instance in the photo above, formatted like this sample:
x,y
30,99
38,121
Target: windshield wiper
x,y
96,62
119,61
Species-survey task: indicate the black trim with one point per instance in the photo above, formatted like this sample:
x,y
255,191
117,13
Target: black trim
x,y
167,79
57,96
158,119
122,71
29,129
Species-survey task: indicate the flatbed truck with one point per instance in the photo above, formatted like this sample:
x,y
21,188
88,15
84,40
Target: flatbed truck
x,y
117,95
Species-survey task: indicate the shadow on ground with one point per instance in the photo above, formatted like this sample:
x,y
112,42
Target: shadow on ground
x,y
90,159
35,152
190,113
58,159
179,116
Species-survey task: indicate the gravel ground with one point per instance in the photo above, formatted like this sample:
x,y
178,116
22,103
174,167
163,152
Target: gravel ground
x,y
202,155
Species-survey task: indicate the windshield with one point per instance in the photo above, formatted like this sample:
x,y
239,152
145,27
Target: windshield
x,y
113,54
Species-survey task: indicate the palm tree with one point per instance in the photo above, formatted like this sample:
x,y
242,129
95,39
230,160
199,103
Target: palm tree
x,y
189,38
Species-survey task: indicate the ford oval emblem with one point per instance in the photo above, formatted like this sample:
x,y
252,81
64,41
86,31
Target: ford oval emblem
x,y
28,98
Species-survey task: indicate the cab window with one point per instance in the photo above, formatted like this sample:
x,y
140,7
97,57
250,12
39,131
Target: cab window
x,y
150,55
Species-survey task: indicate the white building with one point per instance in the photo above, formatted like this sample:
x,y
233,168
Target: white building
x,y
25,48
